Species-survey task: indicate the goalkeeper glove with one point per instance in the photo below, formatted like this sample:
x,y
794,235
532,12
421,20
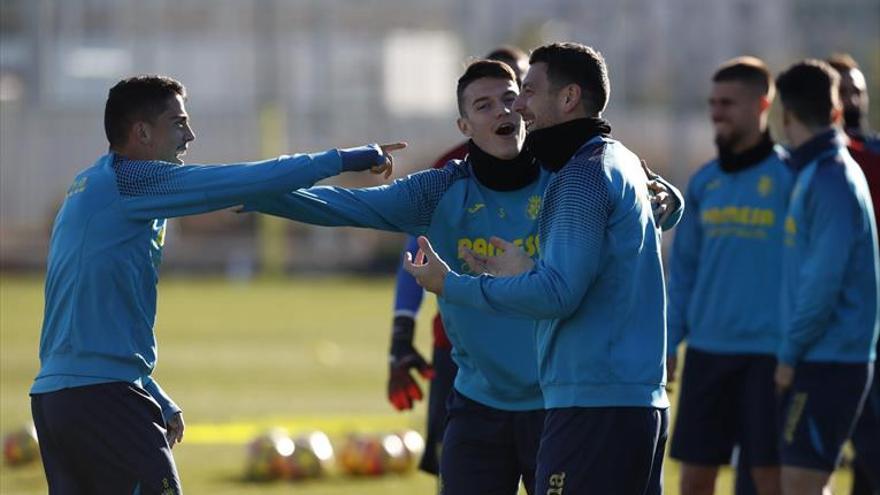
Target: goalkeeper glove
x,y
403,390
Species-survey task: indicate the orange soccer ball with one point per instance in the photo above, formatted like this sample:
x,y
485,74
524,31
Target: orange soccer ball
x,y
20,447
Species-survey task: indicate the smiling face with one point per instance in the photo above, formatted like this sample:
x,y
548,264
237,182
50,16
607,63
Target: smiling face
x,y
539,103
168,135
488,117
735,109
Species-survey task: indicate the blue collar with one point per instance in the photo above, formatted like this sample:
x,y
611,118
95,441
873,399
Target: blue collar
x,y
819,144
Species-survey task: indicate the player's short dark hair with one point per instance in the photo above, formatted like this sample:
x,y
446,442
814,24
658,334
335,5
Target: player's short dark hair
x,y
808,89
574,63
139,98
842,62
480,69
511,56
748,70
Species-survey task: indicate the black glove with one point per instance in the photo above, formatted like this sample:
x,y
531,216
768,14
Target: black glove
x,y
403,390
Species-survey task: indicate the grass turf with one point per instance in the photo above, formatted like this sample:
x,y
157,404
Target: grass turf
x,y
302,347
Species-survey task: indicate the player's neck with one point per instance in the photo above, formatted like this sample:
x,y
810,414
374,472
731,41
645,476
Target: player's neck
x,y
499,174
738,158
555,145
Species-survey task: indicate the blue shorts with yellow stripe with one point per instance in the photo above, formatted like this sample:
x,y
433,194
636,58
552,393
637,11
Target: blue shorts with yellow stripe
x,y
819,412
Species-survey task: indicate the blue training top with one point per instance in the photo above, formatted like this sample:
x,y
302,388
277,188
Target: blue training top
x,y
495,352
106,247
597,290
725,273
830,271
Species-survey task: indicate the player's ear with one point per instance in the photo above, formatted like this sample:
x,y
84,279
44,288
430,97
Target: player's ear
x,y
142,132
570,97
464,126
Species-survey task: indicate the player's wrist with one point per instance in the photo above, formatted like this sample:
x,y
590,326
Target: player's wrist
x,y
361,158
403,329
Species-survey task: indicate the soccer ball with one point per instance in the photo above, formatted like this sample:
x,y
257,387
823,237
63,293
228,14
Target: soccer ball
x,y
21,447
362,455
395,457
268,456
311,458
402,450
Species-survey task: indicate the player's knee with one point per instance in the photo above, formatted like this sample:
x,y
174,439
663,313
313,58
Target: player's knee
x,y
767,480
698,480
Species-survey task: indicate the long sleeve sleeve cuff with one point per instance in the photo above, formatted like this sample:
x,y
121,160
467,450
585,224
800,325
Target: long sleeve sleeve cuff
x,y
678,211
169,407
361,158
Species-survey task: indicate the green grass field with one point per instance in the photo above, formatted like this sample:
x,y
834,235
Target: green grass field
x,y
306,351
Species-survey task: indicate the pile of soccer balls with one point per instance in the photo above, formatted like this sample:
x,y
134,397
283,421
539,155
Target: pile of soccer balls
x,y
20,447
276,455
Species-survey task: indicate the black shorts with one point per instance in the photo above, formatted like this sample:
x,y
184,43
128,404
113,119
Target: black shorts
x,y
106,438
820,411
727,399
488,450
866,437
602,450
440,388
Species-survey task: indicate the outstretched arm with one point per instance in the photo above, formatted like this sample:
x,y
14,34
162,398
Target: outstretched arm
x,y
405,205
156,189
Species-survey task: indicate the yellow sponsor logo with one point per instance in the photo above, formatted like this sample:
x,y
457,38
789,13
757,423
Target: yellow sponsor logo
x,y
483,247
740,215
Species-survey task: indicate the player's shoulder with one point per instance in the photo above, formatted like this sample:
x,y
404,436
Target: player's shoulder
x,y
706,173
457,153
594,154
440,179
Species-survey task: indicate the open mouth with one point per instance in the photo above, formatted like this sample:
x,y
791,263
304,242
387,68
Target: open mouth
x,y
506,129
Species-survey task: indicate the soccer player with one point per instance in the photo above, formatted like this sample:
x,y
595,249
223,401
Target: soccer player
x,y
724,288
403,389
864,146
495,412
830,263
105,426
596,293
854,98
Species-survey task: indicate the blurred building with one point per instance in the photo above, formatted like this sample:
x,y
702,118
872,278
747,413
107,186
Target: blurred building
x,y
273,76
